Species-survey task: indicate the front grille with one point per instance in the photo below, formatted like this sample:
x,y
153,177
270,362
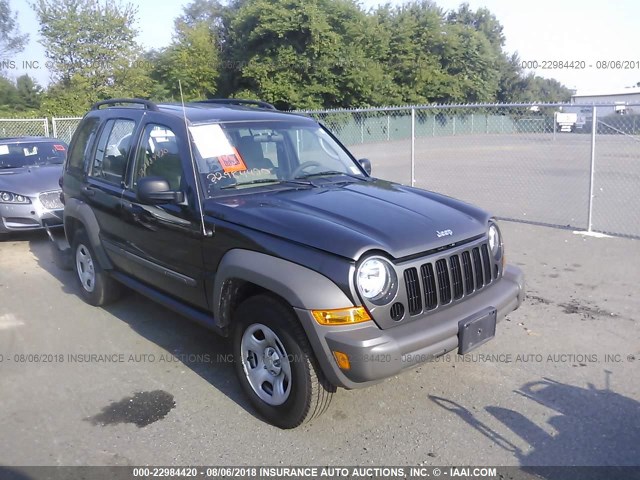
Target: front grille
x,y
448,279
51,200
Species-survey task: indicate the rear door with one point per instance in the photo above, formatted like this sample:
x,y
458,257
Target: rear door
x,y
104,182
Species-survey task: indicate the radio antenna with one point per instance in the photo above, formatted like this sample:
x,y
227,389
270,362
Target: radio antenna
x,y
196,176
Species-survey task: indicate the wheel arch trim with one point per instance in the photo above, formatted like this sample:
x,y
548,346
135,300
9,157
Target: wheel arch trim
x,y
80,212
299,286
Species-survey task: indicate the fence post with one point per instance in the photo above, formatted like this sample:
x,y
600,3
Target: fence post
x,y
55,127
413,146
594,128
454,125
555,116
472,124
362,131
46,127
388,126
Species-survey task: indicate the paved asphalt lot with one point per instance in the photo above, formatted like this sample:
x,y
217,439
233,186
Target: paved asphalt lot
x,y
529,177
542,394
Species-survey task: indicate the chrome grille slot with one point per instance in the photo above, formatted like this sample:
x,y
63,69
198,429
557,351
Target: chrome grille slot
x,y
414,297
486,263
444,284
456,277
429,285
477,267
468,272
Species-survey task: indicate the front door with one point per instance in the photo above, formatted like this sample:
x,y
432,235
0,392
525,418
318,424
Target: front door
x,y
164,242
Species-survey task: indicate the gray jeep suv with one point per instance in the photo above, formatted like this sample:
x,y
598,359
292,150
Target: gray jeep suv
x,y
260,225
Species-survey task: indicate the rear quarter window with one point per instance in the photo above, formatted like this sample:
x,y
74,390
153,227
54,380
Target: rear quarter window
x,y
81,144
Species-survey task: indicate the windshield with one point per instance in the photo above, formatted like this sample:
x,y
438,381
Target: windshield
x,y
26,154
253,154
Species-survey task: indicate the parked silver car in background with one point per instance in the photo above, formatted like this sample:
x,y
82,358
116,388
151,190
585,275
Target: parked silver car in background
x,y
30,168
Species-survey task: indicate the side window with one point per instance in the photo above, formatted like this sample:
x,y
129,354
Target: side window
x,y
81,144
110,161
157,156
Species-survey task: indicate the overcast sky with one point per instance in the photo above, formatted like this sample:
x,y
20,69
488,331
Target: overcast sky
x,y
538,30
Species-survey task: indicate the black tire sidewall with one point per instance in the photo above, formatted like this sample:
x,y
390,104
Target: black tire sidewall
x,y
295,409
97,296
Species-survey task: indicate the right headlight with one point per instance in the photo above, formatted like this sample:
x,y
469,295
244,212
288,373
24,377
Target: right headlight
x,y
495,241
376,280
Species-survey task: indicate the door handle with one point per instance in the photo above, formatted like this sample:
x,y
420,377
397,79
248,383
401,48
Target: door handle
x,y
139,215
88,191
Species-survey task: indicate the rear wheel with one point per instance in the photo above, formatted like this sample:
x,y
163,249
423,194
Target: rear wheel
x,y
96,287
275,364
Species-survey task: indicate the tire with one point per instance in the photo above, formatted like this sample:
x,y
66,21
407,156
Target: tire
x,y
275,364
96,287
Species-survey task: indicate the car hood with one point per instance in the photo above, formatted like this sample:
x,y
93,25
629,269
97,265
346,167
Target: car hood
x,y
351,219
30,181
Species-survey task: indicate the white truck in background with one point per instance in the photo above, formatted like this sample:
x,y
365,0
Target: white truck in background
x,y
566,122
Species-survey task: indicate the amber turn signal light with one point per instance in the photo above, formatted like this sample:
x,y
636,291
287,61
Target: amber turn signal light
x,y
342,359
341,316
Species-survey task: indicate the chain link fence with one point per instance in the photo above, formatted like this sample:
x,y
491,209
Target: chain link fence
x,y
537,163
19,127
542,163
63,128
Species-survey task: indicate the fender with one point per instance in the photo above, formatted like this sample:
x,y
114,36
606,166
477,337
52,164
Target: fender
x,y
81,212
301,287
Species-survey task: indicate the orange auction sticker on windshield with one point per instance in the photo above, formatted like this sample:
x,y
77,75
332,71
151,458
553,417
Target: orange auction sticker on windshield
x,y
232,163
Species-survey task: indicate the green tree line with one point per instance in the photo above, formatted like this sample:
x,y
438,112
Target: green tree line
x,y
296,54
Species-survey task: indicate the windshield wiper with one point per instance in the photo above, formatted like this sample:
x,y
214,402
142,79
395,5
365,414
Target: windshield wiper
x,y
333,172
270,180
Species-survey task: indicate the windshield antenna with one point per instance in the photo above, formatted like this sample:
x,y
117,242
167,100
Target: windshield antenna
x,y
205,231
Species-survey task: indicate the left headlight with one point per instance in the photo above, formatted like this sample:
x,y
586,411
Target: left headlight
x,y
495,241
9,197
377,281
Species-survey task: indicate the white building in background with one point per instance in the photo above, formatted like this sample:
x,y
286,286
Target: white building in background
x,y
623,95
624,100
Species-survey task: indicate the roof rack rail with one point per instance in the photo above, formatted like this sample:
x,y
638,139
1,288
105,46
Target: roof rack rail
x,y
239,102
148,104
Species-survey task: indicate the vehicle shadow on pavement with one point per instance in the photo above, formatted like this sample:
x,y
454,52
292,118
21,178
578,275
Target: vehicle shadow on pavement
x,y
202,351
593,427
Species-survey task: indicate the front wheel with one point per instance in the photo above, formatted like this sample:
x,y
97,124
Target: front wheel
x,y
275,364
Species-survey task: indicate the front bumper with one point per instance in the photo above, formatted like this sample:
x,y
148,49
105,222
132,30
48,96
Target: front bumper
x,y
376,354
31,216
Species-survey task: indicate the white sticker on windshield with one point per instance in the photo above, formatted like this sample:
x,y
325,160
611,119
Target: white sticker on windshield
x,y
30,151
211,141
4,149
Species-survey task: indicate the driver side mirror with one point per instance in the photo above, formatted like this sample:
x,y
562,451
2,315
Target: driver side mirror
x,y
156,190
366,164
